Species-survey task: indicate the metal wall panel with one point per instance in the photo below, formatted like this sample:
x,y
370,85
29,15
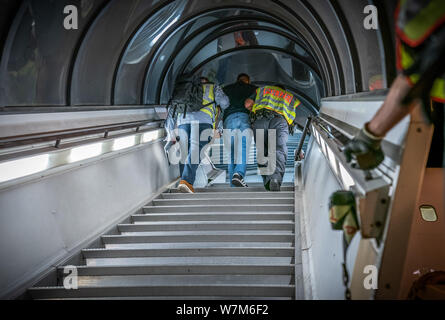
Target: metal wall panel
x,y
45,220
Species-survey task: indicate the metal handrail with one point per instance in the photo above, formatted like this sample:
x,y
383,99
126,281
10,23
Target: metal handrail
x,y
57,136
303,137
371,188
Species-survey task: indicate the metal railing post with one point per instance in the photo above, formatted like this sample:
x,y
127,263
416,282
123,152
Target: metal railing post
x,y
303,137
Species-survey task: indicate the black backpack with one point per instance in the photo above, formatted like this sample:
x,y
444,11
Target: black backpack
x,y
187,95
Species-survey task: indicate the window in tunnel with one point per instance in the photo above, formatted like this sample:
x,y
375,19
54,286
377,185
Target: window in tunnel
x,y
38,52
244,38
293,70
195,32
152,30
220,15
139,51
264,67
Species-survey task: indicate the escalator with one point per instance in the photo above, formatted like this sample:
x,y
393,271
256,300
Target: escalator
x,y
219,243
86,189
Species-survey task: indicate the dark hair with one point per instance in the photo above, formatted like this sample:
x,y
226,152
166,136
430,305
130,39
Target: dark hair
x,y
279,86
241,75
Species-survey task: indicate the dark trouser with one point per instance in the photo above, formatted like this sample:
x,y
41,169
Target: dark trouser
x,y
279,124
239,144
191,145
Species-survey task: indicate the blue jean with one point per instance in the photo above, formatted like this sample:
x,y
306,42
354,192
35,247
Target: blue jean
x,y
191,146
239,142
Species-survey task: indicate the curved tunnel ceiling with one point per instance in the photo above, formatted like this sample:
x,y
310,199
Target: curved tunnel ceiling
x,y
128,52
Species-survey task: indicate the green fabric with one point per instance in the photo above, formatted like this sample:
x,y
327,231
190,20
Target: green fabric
x,y
342,213
425,19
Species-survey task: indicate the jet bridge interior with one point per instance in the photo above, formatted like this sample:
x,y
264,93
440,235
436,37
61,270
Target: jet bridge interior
x,y
84,180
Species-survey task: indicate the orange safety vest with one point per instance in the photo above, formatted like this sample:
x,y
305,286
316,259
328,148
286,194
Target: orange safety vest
x,y
278,100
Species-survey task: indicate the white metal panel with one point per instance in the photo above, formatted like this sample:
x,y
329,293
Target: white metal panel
x,y
323,245
356,113
32,123
47,219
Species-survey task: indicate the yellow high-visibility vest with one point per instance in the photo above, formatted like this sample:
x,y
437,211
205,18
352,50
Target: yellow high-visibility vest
x,y
208,100
414,25
278,100
413,31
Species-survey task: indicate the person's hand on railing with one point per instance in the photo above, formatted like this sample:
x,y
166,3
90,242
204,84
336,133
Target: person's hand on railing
x,y
171,139
248,104
365,149
217,133
300,156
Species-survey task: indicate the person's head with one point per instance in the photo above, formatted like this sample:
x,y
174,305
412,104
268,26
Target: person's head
x,y
204,79
243,78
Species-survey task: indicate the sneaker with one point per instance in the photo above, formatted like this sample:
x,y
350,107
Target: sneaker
x,y
275,185
238,181
185,187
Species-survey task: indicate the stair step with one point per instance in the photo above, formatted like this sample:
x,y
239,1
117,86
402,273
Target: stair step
x,y
228,189
197,245
187,290
181,269
220,208
214,216
227,195
222,201
251,185
172,298
218,243
221,260
200,237
157,280
207,225
189,252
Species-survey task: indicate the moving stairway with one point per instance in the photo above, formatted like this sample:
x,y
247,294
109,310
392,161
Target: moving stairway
x,y
219,243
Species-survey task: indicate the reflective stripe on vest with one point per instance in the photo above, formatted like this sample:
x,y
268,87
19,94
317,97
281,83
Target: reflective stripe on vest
x,y
209,99
405,61
275,99
414,25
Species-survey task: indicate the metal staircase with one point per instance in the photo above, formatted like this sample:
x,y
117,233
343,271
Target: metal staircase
x,y
219,243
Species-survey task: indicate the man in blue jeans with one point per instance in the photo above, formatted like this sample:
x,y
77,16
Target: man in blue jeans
x,y
192,138
237,133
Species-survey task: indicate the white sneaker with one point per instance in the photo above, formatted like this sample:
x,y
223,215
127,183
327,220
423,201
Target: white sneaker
x,y
185,187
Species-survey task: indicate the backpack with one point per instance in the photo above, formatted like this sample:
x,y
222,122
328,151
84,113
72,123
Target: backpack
x,y
187,95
